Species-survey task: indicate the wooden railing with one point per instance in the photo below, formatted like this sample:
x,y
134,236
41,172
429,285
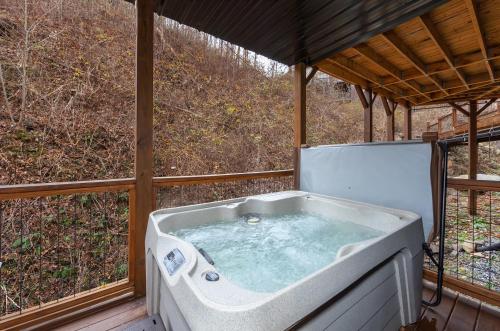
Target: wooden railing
x,y
64,247
68,248
185,190
466,269
450,125
47,220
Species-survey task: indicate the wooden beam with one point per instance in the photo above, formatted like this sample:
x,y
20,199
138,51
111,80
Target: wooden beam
x,y
143,138
363,72
473,153
335,70
459,108
311,74
460,61
486,105
382,63
493,90
432,31
366,99
361,96
299,118
404,51
407,132
389,119
474,13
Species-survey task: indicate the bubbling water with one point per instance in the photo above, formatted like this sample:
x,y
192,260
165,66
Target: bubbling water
x,y
277,251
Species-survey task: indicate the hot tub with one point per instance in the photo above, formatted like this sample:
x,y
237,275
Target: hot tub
x,y
287,260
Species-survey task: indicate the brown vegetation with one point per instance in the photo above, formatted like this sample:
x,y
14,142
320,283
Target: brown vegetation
x,y
67,104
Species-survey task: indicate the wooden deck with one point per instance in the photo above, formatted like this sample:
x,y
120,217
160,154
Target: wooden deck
x,y
116,318
455,313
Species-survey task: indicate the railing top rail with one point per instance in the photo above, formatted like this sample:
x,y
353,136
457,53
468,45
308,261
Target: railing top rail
x,y
474,184
204,179
9,192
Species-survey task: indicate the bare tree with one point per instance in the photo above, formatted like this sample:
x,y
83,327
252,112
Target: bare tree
x,y
5,96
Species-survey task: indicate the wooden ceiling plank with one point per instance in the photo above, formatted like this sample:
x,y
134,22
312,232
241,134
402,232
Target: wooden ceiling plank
x,y
404,51
382,63
474,13
435,35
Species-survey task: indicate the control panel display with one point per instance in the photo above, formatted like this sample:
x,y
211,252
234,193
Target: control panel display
x,y
173,261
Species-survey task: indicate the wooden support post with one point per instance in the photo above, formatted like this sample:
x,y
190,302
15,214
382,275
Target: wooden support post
x,y
143,139
407,122
390,108
473,153
367,99
299,119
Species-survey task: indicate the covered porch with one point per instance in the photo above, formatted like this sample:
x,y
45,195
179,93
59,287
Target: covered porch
x,y
423,53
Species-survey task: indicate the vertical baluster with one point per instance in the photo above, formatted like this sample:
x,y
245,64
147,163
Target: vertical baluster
x,y
3,310
21,253
457,218
91,235
105,234
473,257
489,243
40,247
73,267
58,245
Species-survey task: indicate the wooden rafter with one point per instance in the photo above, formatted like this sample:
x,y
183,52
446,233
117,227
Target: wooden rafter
x,y
489,92
363,72
486,105
460,61
337,71
432,31
404,51
382,63
453,87
474,13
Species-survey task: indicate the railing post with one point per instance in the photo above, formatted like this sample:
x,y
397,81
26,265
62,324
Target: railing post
x,y
407,121
473,152
299,119
143,137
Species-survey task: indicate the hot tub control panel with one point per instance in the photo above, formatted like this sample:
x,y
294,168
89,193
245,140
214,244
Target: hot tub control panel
x,y
173,261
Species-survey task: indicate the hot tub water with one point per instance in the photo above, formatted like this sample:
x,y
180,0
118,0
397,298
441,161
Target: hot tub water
x,y
276,251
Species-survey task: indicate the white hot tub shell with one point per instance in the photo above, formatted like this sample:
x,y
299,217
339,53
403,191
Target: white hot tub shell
x,y
375,284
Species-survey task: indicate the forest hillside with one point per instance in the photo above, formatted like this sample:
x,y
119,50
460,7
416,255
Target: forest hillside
x,y
67,98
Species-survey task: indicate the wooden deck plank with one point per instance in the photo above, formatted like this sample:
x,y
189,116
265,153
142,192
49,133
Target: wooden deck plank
x,y
119,320
427,295
93,321
464,315
488,319
435,318
455,313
